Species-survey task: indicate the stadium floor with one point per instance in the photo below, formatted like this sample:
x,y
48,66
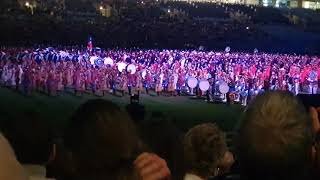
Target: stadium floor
x,y
183,111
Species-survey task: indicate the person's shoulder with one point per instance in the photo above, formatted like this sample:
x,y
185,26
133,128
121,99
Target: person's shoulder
x,y
40,178
9,166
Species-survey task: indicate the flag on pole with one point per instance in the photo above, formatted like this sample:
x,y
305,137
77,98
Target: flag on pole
x,y
90,46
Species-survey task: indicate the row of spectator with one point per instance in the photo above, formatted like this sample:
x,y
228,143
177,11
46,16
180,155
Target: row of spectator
x,y
276,139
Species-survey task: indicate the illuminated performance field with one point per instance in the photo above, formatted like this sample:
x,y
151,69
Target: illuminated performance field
x,y
57,110
159,89
210,86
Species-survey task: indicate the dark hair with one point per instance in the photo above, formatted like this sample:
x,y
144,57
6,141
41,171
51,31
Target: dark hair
x,y
102,139
163,138
136,111
30,137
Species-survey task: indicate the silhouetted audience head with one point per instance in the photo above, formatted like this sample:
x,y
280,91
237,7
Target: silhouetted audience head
x,y
30,137
275,139
204,149
102,141
136,111
163,138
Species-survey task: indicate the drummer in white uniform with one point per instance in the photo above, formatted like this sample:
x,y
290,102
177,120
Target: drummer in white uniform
x,y
243,92
159,82
4,75
192,83
313,81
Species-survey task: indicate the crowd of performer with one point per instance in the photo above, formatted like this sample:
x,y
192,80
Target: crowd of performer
x,y
134,71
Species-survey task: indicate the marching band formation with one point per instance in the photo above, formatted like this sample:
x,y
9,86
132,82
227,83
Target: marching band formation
x,y
215,75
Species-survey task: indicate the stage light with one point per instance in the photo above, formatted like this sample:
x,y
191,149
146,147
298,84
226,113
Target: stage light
x,y
27,4
101,8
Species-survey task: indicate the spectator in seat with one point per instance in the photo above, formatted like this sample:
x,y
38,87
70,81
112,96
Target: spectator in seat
x,y
102,143
275,138
31,139
315,114
161,136
205,149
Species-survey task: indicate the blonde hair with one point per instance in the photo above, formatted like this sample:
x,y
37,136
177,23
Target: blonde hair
x,y
275,135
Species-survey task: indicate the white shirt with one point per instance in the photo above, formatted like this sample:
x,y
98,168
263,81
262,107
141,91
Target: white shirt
x,y
191,177
161,78
4,75
36,172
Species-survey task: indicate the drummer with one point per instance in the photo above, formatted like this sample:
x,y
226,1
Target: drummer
x,y
147,81
180,82
131,80
93,80
165,82
313,81
224,90
238,89
244,97
175,80
139,84
103,82
123,85
112,80
159,81
171,85
210,92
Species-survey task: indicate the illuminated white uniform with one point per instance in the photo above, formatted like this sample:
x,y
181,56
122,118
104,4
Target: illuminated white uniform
x,y
313,82
4,75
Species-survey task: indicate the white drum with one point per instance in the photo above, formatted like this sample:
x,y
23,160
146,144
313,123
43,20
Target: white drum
x,y
92,59
108,61
98,62
204,85
192,82
227,49
131,69
63,53
223,88
121,66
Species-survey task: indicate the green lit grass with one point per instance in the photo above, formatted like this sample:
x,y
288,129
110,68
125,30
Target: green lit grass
x,y
183,111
